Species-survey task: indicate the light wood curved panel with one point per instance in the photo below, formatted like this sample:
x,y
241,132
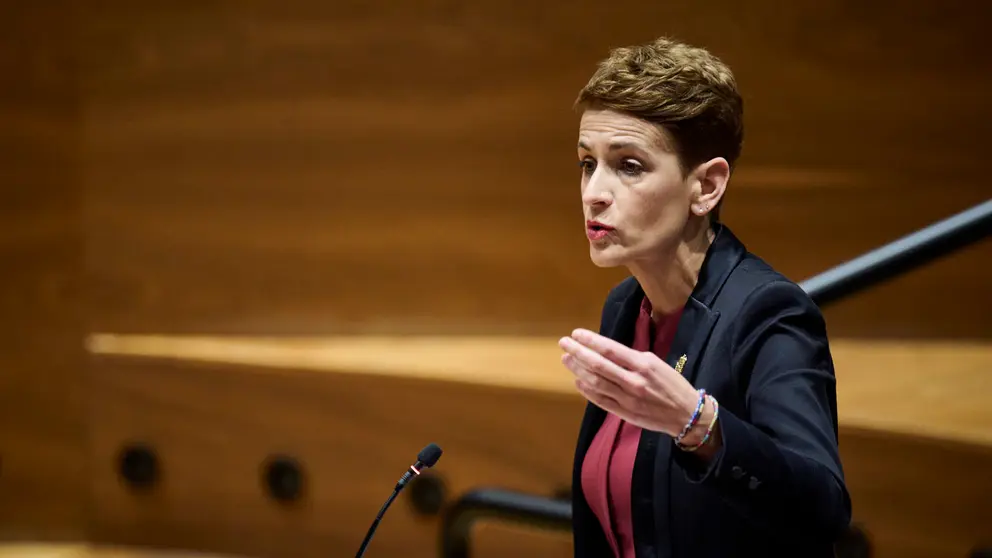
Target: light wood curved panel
x,y
357,428
355,434
918,497
934,389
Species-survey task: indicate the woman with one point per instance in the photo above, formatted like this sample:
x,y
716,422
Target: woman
x,y
711,428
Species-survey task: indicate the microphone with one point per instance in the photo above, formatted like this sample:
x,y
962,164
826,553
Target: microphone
x,y
426,459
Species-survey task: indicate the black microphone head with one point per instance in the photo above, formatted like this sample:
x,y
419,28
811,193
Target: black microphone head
x,y
429,455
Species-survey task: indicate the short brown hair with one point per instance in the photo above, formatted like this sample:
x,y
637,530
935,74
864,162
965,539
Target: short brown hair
x,y
688,91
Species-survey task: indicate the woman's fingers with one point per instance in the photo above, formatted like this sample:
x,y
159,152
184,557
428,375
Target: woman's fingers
x,y
590,380
613,351
600,400
650,394
601,366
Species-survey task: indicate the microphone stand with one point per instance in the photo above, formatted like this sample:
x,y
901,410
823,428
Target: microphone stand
x,y
378,518
411,472
426,459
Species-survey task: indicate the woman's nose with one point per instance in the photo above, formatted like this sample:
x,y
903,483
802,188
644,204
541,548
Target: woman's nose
x,y
594,195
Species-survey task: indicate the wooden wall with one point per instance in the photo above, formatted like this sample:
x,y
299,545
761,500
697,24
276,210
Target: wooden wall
x,y
354,435
241,166
213,426
307,166
42,453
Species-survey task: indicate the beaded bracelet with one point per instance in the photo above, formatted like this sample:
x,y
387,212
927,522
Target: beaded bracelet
x,y
694,418
709,429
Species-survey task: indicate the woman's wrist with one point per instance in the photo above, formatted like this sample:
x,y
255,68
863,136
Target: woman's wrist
x,y
703,434
694,403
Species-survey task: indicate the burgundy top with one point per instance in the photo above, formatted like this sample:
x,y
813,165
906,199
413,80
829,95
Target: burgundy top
x,y
609,464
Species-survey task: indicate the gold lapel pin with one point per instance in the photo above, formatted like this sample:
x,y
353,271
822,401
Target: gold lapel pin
x,y
680,364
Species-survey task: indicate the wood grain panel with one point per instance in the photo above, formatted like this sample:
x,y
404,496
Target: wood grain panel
x,y
885,386
918,497
42,459
214,423
379,167
355,434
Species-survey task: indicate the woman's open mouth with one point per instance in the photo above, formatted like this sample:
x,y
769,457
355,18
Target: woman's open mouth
x,y
596,230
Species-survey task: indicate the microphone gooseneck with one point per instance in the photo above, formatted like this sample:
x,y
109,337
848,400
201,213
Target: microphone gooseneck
x,y
426,459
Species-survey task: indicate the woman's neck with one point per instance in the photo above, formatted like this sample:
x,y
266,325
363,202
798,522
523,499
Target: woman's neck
x,y
669,279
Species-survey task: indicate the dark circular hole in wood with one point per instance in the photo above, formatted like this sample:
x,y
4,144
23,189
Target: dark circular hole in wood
x,y
283,478
138,465
427,493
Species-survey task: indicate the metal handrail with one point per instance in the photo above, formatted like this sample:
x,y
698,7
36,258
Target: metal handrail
x,y
895,258
901,256
496,503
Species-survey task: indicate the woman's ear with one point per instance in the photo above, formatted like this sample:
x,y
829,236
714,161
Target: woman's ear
x,y
709,184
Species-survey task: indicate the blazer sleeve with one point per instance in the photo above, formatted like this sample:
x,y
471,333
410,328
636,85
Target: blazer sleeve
x,y
780,465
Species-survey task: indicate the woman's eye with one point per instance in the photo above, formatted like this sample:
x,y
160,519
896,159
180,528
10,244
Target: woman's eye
x,y
587,166
631,167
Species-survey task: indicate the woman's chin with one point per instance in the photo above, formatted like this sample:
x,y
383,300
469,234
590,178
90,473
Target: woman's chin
x,y
608,257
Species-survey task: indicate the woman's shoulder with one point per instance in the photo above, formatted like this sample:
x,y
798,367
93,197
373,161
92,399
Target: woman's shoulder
x,y
757,298
756,282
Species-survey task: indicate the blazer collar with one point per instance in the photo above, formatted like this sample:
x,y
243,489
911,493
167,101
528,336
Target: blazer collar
x,y
723,255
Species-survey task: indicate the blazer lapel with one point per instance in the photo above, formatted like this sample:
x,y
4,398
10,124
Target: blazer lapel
x,y
691,336
684,355
698,319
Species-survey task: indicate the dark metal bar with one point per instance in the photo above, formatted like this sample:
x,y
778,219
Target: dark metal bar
x,y
901,256
905,254
495,503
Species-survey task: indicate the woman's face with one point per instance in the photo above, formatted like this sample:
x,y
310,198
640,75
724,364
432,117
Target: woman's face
x,y
635,198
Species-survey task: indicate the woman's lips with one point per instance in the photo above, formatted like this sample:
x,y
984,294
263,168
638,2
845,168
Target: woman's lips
x,y
597,231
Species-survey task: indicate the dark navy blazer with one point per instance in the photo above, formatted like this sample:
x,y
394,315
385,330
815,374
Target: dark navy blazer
x,y
758,344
